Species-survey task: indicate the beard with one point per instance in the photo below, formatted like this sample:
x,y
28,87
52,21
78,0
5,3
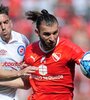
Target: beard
x,y
47,46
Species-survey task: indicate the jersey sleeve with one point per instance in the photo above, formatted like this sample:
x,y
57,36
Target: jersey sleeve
x,y
76,52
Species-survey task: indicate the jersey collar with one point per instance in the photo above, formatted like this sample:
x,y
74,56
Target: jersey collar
x,y
14,37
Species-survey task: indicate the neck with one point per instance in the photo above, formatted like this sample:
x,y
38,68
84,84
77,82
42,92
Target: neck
x,y
6,39
45,49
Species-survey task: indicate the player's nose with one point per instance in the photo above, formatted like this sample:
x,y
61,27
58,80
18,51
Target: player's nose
x,y
2,27
52,38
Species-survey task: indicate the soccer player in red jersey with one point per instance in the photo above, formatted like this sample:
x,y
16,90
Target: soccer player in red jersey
x,y
53,58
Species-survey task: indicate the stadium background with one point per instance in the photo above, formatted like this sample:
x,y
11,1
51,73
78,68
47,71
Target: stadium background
x,y
74,20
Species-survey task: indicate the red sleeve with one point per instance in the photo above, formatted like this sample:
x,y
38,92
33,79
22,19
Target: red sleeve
x,y
74,51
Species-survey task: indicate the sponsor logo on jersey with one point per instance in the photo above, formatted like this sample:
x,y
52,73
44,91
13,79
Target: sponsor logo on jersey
x,y
12,65
32,58
56,56
56,77
21,50
3,52
42,69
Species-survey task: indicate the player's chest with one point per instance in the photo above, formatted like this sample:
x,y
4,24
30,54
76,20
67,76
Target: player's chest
x,y
53,63
12,50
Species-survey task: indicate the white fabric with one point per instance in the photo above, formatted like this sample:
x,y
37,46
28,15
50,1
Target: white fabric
x,y
3,97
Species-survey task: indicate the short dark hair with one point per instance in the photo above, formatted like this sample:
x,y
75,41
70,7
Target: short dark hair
x,y
4,9
39,17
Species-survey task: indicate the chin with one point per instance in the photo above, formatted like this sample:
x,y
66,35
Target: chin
x,y
51,47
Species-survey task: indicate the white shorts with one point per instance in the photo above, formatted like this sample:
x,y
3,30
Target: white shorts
x,y
3,97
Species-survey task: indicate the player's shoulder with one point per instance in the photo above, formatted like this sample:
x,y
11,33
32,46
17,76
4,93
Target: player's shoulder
x,y
20,37
18,34
15,32
65,41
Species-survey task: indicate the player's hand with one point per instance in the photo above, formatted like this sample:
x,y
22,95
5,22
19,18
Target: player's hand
x,y
23,65
27,71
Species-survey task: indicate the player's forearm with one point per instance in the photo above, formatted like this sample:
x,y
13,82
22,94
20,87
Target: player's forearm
x,y
16,83
12,74
8,74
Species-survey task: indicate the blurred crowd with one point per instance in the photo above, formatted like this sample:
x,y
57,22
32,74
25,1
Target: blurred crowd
x,y
74,21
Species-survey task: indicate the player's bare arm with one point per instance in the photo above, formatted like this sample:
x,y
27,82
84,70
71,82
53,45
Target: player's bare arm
x,y
22,83
12,74
22,79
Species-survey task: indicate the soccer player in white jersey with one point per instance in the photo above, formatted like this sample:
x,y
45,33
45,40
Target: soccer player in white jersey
x,y
12,49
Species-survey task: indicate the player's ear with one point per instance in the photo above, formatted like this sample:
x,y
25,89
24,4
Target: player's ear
x,y
36,30
11,24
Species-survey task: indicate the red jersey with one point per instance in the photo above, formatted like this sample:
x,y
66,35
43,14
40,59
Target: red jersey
x,y
56,69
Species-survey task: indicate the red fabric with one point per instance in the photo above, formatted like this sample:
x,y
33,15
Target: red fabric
x,y
56,69
40,96
29,98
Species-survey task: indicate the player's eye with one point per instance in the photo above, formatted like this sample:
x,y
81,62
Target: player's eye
x,y
55,32
46,33
6,22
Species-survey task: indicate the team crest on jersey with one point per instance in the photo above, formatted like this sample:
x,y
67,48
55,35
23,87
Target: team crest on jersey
x,y
21,50
42,69
56,56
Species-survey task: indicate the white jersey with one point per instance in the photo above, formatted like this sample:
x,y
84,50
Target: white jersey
x,y
11,55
